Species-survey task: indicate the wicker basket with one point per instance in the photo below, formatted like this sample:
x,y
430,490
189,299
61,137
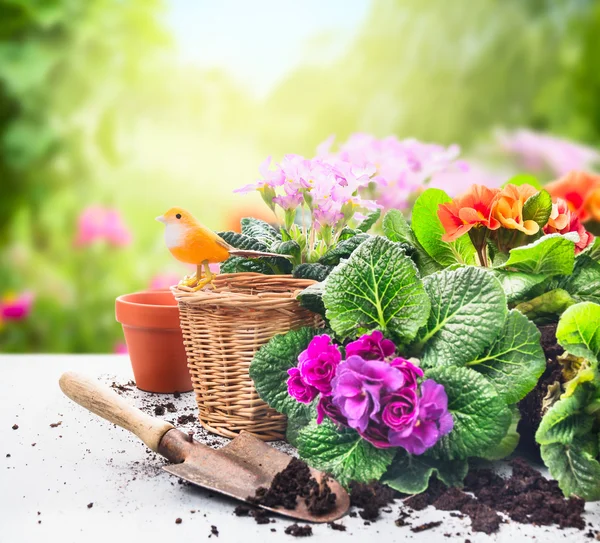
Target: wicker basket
x,y
222,329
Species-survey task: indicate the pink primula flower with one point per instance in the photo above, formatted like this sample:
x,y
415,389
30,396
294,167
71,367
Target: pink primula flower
x,y
120,348
13,307
97,223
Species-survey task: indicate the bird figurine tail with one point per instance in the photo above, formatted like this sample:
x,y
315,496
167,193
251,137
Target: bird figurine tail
x,y
254,254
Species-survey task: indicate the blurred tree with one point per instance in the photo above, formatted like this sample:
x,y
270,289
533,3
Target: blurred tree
x,y
64,65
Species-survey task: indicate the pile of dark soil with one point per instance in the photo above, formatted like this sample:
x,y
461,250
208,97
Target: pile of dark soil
x,y
531,406
526,497
294,482
370,498
299,531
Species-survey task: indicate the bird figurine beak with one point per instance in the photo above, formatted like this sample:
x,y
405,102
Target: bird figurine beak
x,y
161,218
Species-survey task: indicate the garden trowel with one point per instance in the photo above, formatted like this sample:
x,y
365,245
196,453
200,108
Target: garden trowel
x,y
238,469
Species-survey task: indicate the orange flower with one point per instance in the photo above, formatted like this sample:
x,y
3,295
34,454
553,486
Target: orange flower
x,y
473,208
581,191
508,209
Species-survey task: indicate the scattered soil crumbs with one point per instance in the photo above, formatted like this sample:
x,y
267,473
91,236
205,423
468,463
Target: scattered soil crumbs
x,y
299,531
370,498
426,526
90,505
337,527
261,516
56,424
15,426
214,531
293,482
185,419
526,497
127,387
178,521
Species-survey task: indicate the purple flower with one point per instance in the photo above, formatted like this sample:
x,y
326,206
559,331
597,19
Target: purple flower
x,y
318,363
434,421
298,389
371,347
401,410
326,408
359,386
408,369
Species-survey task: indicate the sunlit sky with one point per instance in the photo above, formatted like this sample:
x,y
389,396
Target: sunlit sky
x,y
259,41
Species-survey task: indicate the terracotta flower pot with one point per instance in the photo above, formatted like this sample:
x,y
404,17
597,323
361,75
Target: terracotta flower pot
x,y
150,322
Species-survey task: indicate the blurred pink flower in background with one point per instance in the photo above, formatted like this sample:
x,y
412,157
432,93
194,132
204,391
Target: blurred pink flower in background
x,y
13,307
120,348
540,153
164,280
403,167
456,182
98,223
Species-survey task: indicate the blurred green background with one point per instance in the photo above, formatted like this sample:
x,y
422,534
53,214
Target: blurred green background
x,y
124,108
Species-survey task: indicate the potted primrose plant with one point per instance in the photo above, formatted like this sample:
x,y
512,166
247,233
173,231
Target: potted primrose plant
x,y
317,202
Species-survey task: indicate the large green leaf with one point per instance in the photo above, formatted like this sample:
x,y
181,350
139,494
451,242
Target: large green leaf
x,y
549,255
517,285
343,250
566,419
312,298
468,308
397,229
515,361
578,330
269,368
260,230
547,306
242,241
584,283
429,231
314,271
538,207
410,474
343,453
509,442
377,287
575,467
237,264
481,417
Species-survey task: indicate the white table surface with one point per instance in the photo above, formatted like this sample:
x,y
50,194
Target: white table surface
x,y
88,460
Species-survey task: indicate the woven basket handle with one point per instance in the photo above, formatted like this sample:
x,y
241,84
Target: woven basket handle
x,y
104,402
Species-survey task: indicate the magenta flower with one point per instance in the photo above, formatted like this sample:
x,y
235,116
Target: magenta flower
x,y
298,389
401,410
359,386
410,372
270,179
318,363
120,348
14,307
101,224
434,421
326,408
371,346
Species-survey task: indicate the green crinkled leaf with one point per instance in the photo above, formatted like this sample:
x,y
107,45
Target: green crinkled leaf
x,y
312,298
468,309
314,271
237,264
298,421
241,241
575,467
509,442
269,368
260,230
410,474
371,219
515,361
343,250
578,330
538,207
549,255
481,417
566,419
289,247
524,179
593,251
517,285
429,231
377,287
547,306
397,229
343,453
347,233
584,283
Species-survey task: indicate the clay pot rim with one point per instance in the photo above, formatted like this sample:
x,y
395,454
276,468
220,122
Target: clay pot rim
x,y
142,315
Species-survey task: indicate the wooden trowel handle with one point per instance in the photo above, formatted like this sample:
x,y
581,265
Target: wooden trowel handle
x,y
104,402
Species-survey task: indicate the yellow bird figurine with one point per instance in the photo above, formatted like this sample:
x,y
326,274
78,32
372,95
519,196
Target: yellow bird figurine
x,y
192,243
